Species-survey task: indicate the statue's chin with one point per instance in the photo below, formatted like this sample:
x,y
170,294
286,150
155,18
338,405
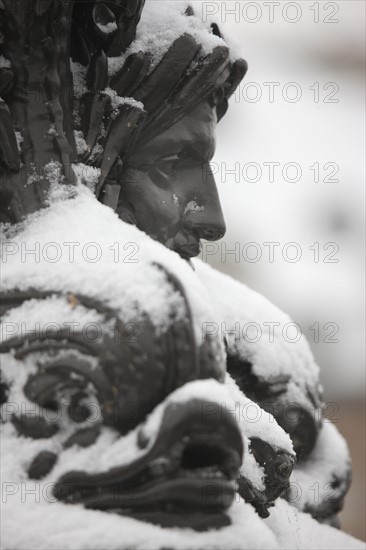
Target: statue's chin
x,y
186,245
189,252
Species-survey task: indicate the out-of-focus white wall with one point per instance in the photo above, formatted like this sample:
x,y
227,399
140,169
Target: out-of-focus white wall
x,y
301,105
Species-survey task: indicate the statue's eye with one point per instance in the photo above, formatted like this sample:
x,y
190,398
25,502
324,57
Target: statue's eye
x,y
162,170
169,159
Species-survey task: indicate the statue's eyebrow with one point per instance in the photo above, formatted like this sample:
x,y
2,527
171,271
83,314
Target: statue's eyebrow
x,y
202,148
206,151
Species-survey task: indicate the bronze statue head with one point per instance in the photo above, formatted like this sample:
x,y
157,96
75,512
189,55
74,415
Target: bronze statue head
x,y
153,111
168,189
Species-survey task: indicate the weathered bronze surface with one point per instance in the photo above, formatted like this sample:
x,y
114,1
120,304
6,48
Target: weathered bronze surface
x,y
154,161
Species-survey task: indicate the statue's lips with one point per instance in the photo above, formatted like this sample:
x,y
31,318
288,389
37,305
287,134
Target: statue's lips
x,y
189,472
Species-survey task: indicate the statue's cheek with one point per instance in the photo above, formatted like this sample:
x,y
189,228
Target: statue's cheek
x,y
153,206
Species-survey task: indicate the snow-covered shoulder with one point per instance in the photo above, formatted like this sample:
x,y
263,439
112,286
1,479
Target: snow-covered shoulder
x,y
258,331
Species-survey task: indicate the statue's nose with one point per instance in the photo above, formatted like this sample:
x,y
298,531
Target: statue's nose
x,y
212,230
207,220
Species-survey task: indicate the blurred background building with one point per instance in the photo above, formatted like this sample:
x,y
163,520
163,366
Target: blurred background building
x,y
289,166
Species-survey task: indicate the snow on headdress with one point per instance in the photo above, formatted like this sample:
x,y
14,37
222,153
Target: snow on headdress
x,y
79,79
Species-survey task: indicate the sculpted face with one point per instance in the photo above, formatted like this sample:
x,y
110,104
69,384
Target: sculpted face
x,y
168,188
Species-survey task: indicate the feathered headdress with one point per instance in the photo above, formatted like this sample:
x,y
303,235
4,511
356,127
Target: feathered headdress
x,y
78,86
